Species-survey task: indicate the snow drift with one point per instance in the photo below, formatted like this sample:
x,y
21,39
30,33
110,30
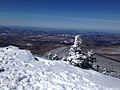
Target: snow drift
x,y
19,70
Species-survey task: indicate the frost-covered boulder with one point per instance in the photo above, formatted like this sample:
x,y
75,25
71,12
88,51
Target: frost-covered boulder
x,y
12,52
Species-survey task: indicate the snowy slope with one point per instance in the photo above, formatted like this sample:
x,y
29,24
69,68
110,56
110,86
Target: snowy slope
x,y
20,71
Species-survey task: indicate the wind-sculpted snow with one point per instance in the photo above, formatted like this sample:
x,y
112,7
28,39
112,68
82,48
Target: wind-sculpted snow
x,y
19,70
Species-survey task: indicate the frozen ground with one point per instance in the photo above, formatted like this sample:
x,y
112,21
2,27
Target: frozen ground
x,y
109,64
20,70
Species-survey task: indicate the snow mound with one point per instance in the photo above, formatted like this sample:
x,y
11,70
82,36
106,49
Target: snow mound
x,y
19,70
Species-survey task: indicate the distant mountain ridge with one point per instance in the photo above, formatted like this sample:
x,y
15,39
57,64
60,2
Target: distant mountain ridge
x,y
22,30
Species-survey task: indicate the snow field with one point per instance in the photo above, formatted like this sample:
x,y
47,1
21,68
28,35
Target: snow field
x,y
23,72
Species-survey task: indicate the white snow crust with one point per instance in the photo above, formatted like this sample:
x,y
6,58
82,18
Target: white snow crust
x,y
23,72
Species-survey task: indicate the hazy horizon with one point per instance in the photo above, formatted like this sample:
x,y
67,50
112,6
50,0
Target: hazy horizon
x,y
74,14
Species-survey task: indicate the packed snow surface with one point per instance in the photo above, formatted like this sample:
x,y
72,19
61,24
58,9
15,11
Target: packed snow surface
x,y
20,70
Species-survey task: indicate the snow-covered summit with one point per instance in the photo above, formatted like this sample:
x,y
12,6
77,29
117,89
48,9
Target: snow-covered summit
x,y
19,70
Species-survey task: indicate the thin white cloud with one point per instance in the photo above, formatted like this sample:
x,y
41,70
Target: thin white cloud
x,y
59,21
5,14
116,16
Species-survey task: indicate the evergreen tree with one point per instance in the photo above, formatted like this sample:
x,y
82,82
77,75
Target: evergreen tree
x,y
77,57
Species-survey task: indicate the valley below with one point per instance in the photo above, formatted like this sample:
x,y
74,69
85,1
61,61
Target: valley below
x,y
41,41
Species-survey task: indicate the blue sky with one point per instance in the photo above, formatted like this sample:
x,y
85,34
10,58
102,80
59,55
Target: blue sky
x,y
80,14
